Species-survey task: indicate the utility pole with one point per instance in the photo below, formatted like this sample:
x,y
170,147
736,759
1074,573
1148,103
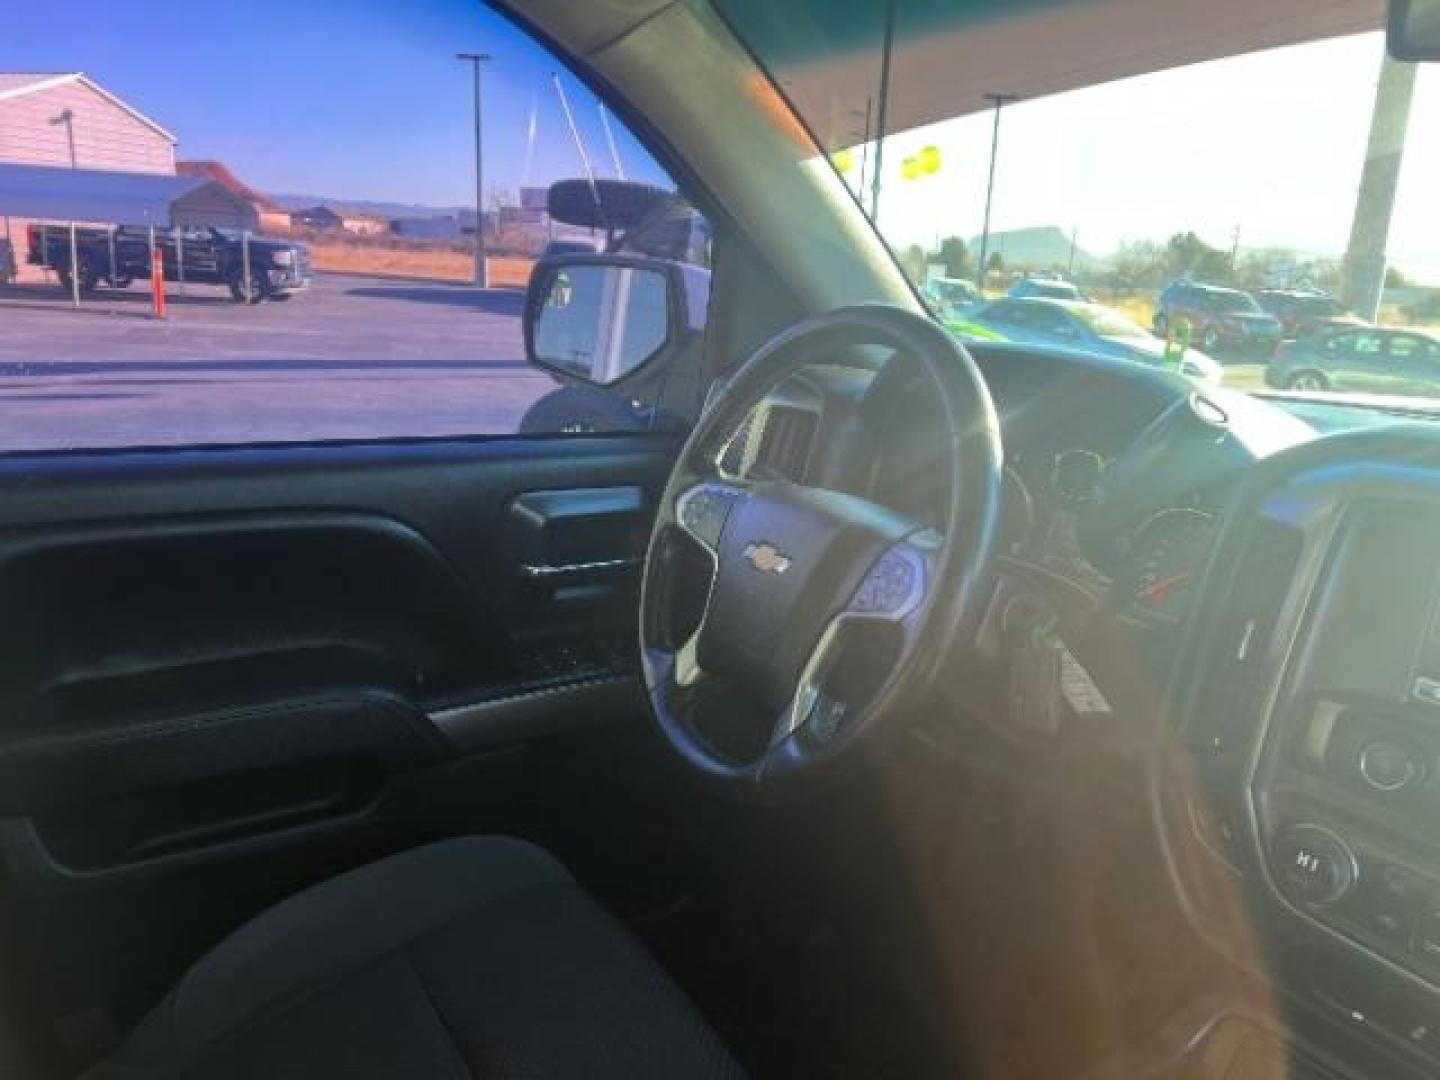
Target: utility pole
x,y
1362,275
482,265
1070,266
1234,249
999,101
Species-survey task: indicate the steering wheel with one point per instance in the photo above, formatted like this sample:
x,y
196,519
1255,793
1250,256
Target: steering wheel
x,y
827,615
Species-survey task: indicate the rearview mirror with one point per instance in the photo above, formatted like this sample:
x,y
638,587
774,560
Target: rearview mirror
x,y
1414,30
599,318
603,203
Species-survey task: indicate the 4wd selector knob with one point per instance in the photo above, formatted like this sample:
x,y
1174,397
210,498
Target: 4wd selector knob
x,y
1313,865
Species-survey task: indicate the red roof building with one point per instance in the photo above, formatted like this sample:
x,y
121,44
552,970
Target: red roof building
x,y
273,217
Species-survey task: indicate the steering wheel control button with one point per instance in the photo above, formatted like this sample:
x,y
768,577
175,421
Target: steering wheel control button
x,y
703,512
1313,865
1388,900
1390,767
888,586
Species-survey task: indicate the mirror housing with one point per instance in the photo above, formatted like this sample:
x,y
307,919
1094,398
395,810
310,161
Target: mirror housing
x,y
1413,30
601,319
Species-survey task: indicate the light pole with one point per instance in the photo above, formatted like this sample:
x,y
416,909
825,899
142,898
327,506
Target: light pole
x,y
67,118
999,101
482,269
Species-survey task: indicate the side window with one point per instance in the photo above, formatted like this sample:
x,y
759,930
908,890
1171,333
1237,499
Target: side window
x,y
1408,349
1367,346
1360,346
1339,344
353,263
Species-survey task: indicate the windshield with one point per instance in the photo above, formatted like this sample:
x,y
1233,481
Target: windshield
x,y
974,151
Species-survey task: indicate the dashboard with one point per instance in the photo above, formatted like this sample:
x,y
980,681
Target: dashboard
x,y
1114,475
1273,577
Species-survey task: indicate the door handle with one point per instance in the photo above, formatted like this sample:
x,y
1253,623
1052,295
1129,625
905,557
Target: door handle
x,y
579,569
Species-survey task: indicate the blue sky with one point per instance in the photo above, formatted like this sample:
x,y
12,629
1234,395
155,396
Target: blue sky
x,y
357,99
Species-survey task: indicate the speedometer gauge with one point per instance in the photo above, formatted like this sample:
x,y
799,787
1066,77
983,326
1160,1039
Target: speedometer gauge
x,y
1170,552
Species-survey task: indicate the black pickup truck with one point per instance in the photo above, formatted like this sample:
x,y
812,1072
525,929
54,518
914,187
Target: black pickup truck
x,y
210,257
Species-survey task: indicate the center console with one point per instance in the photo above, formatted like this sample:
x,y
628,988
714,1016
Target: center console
x,y
1312,716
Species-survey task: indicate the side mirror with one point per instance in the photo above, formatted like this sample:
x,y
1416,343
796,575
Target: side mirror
x,y
601,318
1413,32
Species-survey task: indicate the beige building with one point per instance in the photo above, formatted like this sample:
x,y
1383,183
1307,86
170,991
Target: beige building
x,y
359,223
270,216
66,120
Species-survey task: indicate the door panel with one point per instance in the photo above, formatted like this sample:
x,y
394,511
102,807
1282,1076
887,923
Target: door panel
x,y
226,674
208,653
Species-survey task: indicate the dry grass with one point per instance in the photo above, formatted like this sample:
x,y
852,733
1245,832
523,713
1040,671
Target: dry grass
x,y
440,264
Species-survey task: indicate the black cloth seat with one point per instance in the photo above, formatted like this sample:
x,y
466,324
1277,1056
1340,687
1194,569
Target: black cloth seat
x,y
468,959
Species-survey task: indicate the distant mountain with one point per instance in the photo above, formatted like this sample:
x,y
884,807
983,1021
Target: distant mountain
x,y
1040,247
366,206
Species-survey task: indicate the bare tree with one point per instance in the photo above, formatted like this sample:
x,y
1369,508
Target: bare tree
x,y
1137,264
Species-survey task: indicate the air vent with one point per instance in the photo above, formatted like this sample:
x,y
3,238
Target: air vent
x,y
1226,707
737,452
785,443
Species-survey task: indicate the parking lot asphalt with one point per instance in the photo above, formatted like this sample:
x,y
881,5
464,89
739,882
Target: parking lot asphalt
x,y
352,357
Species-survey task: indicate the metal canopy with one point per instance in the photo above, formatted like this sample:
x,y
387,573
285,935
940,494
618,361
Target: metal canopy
x,y
119,198
950,53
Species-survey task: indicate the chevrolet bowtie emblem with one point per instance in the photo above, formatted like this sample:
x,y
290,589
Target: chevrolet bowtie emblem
x,y
767,558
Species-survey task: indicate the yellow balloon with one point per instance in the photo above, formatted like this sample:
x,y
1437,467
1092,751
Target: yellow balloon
x,y
910,168
929,158
843,160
